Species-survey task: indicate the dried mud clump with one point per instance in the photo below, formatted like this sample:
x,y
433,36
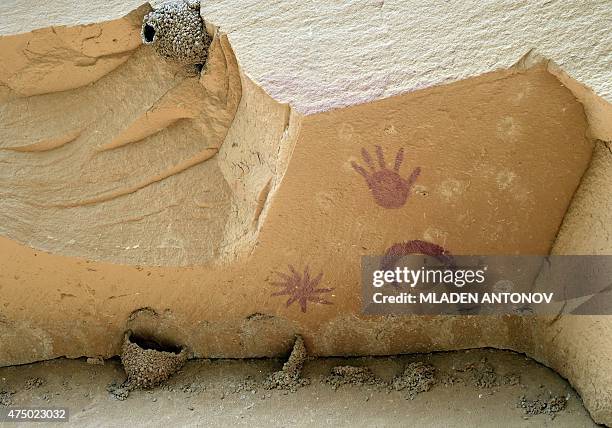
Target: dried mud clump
x,y
246,385
148,363
176,31
6,398
417,377
511,379
550,406
351,375
482,374
34,382
289,378
118,391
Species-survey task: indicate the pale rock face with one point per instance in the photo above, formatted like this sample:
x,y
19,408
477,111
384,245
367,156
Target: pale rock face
x,y
54,59
586,227
114,160
21,16
342,53
321,54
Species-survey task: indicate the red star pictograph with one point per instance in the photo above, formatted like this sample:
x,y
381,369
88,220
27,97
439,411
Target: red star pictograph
x,y
301,288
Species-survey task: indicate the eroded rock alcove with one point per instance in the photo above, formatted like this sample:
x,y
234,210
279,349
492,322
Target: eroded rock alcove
x,y
130,182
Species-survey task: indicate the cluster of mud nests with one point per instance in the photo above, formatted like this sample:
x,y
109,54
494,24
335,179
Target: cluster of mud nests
x,y
148,363
437,387
6,397
419,376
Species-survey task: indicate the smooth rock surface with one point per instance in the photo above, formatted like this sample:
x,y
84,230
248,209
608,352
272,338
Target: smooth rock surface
x,y
318,55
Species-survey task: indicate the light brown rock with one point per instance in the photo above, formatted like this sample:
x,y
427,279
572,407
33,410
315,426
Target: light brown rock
x,y
143,189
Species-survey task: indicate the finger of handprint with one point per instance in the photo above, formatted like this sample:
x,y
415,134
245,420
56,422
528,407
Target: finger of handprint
x,y
399,158
381,157
415,174
367,158
359,169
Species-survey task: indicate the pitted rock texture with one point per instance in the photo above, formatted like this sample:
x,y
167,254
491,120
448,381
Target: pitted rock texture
x,y
147,368
177,32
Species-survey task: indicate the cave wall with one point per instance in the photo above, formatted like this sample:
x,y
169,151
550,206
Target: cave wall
x,y
137,193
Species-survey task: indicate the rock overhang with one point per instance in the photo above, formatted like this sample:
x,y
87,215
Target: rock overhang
x,y
388,65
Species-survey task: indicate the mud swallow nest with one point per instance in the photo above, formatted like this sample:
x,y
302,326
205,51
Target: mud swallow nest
x,y
148,363
176,31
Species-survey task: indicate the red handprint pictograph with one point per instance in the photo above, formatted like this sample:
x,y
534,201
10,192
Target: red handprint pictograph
x,y
389,188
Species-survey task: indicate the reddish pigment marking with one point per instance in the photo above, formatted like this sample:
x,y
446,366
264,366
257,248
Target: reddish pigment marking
x,y
395,252
389,189
301,288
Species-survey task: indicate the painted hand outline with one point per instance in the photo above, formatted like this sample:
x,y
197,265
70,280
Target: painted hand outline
x,y
388,187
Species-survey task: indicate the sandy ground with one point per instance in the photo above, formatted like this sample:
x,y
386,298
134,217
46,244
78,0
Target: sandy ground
x,y
230,393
